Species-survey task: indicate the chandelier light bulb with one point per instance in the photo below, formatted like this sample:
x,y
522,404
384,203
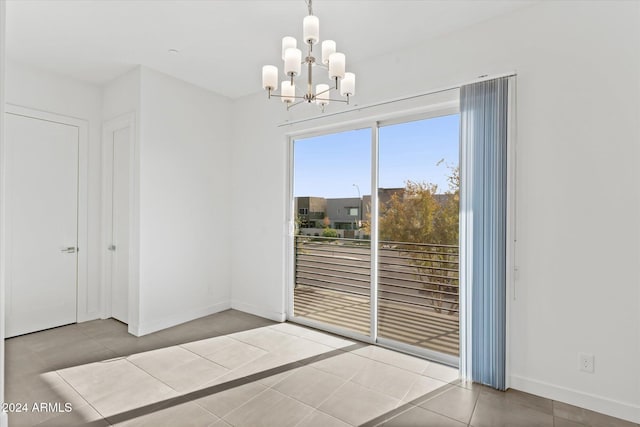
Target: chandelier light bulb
x,y
292,61
348,85
288,91
311,29
270,77
336,65
328,47
288,42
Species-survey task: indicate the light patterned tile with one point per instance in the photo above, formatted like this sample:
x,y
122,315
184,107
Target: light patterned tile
x,y
209,345
419,417
223,402
186,414
561,422
442,372
262,369
422,388
309,385
356,405
587,417
320,419
179,368
385,379
265,338
394,358
116,386
271,380
84,416
269,409
455,402
235,355
302,350
313,335
345,365
493,411
534,402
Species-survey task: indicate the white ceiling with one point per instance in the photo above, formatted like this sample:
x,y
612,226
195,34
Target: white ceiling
x,y
222,43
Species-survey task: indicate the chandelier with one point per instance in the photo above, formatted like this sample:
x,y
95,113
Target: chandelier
x,y
294,65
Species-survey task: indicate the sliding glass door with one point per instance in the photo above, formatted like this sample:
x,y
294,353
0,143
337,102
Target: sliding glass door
x,y
397,248
418,217
332,251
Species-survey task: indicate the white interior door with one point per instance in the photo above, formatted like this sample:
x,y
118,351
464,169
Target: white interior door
x,y
42,224
120,225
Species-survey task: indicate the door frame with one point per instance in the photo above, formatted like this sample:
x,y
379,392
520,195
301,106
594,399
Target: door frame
x,y
82,271
124,121
373,122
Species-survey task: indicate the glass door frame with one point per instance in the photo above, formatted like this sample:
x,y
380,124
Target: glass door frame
x,y
374,124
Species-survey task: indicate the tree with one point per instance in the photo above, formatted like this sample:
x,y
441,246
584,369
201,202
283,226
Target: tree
x,y
446,221
409,215
419,219
420,215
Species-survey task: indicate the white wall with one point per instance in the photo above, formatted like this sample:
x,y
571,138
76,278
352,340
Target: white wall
x,y
577,185
258,174
121,97
41,90
185,214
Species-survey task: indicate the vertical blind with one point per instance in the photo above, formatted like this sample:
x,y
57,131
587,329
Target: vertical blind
x,y
483,119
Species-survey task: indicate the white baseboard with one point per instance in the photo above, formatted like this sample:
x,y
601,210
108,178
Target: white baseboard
x,y
150,326
258,311
4,419
624,410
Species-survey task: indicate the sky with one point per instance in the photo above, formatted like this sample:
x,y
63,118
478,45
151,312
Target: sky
x,y
329,165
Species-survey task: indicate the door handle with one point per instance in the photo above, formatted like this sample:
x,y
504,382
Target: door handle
x,y
111,248
69,250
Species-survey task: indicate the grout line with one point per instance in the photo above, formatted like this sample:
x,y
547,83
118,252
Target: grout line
x,y
475,406
429,362
323,333
317,408
415,380
82,396
180,393
305,418
229,370
446,416
244,404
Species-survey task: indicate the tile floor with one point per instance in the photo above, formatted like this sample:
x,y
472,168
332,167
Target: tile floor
x,y
234,369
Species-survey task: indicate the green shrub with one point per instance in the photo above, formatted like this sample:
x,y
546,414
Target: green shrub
x,y
329,232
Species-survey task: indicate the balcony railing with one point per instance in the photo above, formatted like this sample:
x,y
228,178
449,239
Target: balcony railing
x,y
418,288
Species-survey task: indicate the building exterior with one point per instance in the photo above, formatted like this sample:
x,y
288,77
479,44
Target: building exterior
x,y
345,213
310,211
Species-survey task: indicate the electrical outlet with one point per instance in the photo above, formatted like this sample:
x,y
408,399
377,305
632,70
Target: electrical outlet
x,y
586,362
